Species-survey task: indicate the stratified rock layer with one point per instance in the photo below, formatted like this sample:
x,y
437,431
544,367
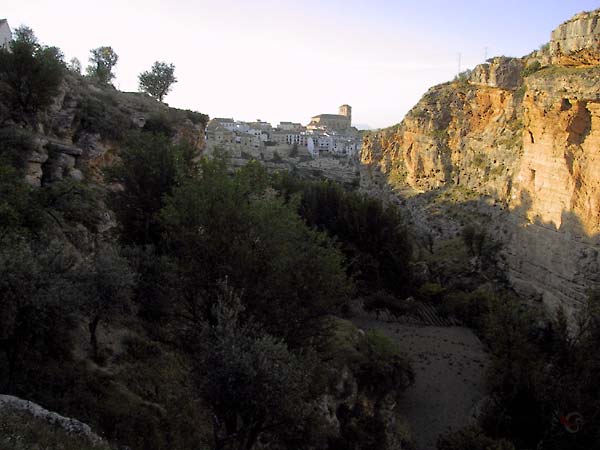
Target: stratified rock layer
x,y
530,145
577,41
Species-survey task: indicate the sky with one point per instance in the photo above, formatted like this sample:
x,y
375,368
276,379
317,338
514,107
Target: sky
x,y
290,60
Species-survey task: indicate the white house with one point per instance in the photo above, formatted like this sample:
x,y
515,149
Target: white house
x,y
5,33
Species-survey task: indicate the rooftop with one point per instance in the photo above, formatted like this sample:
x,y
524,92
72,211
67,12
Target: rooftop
x,y
330,116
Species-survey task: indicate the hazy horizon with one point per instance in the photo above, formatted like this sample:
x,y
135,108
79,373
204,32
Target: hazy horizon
x,y
280,61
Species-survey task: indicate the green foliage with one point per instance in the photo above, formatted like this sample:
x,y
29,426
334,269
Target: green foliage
x,y
383,301
373,238
276,157
431,292
30,75
158,81
253,382
472,438
473,238
463,77
231,227
472,308
160,123
531,68
15,146
70,201
520,93
19,211
99,113
294,151
383,369
150,167
34,321
102,62
107,281
75,66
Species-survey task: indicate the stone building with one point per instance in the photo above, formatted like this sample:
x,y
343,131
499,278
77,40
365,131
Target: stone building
x,y
338,122
5,33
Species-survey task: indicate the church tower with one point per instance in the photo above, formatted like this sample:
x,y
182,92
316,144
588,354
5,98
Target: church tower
x,y
346,110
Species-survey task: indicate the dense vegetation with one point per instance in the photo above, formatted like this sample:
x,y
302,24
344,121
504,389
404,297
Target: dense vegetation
x,y
203,317
208,314
543,377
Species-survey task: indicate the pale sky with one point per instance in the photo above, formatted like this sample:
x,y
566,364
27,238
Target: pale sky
x,y
290,60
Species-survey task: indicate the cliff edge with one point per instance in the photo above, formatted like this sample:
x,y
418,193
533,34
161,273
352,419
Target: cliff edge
x,y
519,138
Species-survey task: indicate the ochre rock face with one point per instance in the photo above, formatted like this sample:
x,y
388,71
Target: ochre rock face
x,y
577,41
533,148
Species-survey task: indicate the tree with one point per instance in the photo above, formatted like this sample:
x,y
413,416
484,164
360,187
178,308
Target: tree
x,y
252,382
30,75
106,281
149,168
219,226
75,65
158,81
102,61
34,319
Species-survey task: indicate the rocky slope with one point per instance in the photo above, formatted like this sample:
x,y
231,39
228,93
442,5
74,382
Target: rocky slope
x,y
87,124
515,144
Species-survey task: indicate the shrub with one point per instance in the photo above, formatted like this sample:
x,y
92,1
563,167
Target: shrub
x,y
431,292
382,368
160,123
15,147
472,438
373,237
99,114
471,308
531,68
32,72
276,157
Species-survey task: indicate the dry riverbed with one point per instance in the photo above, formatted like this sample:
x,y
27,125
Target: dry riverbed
x,y
449,365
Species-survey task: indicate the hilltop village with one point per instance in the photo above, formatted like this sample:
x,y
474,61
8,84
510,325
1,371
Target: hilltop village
x,y
332,134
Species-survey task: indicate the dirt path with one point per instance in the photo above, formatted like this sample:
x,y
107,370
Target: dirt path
x,y
449,364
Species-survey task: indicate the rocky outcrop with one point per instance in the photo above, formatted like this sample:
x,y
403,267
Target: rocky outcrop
x,y
577,41
499,72
343,169
86,125
519,156
71,426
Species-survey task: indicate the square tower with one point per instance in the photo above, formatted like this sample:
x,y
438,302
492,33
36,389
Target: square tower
x,y
346,110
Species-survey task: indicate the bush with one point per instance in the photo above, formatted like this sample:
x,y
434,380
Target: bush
x,y
100,114
16,146
431,292
374,238
276,157
236,228
149,169
382,369
160,123
472,438
33,74
252,382
531,68
471,308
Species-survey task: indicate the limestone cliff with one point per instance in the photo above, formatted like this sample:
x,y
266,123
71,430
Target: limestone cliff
x,y
87,124
524,136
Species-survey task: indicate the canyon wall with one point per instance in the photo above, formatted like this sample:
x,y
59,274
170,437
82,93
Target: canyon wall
x,y
519,140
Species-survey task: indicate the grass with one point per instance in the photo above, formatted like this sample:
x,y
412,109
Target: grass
x,y
21,431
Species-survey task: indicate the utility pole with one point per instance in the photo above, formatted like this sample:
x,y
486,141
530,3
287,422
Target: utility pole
x,y
459,61
485,51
